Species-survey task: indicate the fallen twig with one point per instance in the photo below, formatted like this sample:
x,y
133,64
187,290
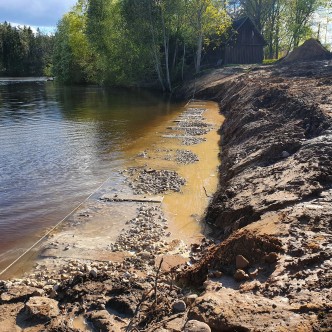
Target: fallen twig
x,y
206,194
156,282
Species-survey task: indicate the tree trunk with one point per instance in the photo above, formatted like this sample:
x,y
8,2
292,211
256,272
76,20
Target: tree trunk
x,y
183,59
175,55
199,53
166,50
155,54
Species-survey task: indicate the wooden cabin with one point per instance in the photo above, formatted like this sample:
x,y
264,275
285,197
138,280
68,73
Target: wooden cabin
x,y
245,44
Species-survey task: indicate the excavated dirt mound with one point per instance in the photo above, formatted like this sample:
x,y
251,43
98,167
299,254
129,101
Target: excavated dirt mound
x,y
274,200
311,50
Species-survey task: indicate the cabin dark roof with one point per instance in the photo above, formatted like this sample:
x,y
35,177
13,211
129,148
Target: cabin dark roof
x,y
236,25
244,23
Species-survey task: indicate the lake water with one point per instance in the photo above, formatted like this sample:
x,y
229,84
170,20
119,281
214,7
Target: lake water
x,y
58,144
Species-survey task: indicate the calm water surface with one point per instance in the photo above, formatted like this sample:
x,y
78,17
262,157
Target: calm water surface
x,y
57,146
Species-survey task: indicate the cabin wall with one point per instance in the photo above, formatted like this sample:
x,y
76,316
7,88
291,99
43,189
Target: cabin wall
x,y
247,35
243,54
247,46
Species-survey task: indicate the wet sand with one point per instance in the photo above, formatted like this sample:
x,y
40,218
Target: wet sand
x,y
89,231
184,210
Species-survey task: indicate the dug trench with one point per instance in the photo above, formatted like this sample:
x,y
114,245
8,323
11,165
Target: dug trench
x,y
267,264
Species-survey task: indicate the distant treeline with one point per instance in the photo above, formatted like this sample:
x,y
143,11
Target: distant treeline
x,y
126,42
23,52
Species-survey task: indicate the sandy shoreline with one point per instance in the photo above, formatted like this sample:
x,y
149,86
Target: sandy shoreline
x,y
125,232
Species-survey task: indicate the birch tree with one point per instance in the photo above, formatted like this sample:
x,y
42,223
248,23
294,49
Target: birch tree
x,y
208,17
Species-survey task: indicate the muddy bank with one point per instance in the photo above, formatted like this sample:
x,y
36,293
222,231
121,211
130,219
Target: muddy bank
x,y
273,208
268,266
111,265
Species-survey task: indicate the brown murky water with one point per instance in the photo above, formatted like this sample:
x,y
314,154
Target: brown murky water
x,y
185,210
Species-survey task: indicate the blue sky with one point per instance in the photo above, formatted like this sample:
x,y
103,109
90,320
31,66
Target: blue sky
x,y
35,13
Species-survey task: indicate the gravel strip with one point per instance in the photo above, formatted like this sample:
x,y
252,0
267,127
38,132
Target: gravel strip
x,y
192,140
186,157
151,181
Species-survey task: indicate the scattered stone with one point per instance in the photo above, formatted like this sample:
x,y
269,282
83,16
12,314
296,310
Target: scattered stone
x,y
150,181
192,140
196,131
240,275
271,258
186,157
241,262
196,326
143,154
191,123
93,273
42,308
179,306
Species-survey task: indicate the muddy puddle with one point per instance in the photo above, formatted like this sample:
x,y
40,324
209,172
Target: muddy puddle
x,y
185,209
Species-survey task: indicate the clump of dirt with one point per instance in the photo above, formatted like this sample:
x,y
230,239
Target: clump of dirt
x,y
310,50
222,257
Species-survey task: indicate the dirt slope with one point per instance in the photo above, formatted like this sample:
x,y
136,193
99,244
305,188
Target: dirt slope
x,y
273,205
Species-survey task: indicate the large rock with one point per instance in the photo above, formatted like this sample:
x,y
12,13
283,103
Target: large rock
x,y
241,262
42,308
179,306
240,275
196,326
271,258
229,310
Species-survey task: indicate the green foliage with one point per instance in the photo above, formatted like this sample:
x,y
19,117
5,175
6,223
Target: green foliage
x,y
74,59
269,61
160,42
127,42
22,52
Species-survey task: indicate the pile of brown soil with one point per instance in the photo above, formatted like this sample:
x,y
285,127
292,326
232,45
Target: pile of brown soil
x,y
311,50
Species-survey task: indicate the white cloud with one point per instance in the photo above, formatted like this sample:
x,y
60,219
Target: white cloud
x,y
43,13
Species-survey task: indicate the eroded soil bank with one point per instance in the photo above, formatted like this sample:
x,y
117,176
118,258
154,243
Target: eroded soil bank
x,y
269,265
273,208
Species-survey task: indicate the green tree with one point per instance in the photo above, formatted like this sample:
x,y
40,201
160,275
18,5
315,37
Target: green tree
x,y
73,56
208,18
116,51
136,41
297,18
23,52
